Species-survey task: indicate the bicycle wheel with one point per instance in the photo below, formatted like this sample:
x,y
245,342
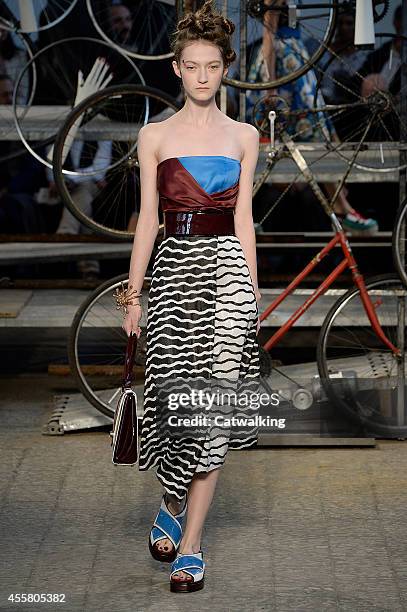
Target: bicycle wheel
x,y
297,48
360,375
399,242
97,343
113,115
141,30
355,113
26,17
57,67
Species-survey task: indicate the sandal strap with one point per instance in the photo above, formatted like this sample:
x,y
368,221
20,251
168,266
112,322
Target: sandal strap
x,y
166,525
169,526
187,562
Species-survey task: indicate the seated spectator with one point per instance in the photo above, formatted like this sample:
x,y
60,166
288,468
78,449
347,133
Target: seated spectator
x,y
83,188
276,54
18,213
12,61
355,74
382,72
339,66
120,24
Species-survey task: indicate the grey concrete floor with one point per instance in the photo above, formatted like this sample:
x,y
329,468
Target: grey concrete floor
x,y
289,529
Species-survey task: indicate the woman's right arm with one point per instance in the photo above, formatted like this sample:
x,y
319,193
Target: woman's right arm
x,y
147,223
271,19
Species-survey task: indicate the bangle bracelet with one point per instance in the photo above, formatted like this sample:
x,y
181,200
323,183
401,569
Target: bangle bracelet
x,y
124,297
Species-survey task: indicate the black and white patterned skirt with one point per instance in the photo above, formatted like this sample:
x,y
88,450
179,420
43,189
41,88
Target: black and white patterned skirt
x,y
201,333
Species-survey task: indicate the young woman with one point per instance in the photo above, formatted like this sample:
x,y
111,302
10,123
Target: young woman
x,y
279,52
202,321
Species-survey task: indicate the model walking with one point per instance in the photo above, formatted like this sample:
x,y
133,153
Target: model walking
x,y
202,319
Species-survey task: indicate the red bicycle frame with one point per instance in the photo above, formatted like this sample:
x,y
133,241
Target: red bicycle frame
x,y
347,262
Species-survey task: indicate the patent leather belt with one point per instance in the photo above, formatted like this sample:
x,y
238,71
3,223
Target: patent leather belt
x,y
199,223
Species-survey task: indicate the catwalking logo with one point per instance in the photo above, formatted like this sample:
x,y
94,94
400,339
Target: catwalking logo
x,y
221,421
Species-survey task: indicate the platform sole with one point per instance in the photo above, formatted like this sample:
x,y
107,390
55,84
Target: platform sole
x,y
186,587
359,233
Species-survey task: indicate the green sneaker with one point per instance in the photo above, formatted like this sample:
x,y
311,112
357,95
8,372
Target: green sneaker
x,y
357,225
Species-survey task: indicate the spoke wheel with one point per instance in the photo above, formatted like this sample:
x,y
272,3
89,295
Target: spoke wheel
x,y
361,376
399,242
376,118
298,49
36,17
145,33
56,67
120,112
97,345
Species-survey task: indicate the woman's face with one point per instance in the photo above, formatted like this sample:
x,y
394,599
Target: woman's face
x,y
201,69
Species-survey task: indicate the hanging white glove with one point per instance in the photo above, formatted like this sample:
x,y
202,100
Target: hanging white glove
x,y
94,82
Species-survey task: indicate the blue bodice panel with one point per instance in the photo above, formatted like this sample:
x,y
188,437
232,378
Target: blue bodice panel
x,y
213,172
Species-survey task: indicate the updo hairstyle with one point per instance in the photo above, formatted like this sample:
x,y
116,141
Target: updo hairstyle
x,y
208,24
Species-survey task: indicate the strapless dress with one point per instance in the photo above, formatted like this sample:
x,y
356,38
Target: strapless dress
x,y
201,328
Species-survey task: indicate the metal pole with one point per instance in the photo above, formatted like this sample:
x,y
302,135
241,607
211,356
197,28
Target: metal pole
x,y
401,416
223,88
403,106
243,48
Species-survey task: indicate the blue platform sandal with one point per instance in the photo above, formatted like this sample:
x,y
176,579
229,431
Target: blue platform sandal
x,y
192,564
166,526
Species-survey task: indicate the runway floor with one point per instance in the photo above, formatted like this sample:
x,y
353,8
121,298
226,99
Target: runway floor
x,y
290,529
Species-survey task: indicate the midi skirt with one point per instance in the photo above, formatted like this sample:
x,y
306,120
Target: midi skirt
x,y
201,334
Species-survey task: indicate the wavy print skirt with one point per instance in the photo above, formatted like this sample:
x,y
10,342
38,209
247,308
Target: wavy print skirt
x,y
201,335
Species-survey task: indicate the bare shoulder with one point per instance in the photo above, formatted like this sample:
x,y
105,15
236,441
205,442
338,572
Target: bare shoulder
x,y
150,131
245,135
249,133
148,140
249,141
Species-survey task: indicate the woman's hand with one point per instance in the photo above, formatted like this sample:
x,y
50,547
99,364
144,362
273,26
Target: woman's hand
x,y
371,84
132,318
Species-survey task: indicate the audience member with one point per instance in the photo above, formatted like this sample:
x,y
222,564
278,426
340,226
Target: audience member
x,y
121,24
83,187
278,53
340,64
12,61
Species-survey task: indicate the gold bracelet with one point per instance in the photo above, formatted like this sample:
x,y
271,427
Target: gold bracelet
x,y
124,297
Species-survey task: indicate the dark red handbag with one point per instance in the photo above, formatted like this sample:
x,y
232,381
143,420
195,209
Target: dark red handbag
x,y
124,436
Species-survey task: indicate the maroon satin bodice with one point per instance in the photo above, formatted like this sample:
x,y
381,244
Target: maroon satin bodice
x,y
180,192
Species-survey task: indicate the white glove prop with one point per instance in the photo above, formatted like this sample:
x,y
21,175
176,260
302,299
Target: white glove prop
x,y
93,82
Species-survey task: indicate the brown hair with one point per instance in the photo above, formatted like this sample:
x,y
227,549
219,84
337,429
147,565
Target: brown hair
x,y
208,24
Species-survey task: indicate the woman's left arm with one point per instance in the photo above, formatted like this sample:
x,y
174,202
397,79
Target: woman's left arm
x,y
244,227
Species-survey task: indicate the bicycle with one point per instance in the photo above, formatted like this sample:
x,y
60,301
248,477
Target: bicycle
x,y
316,19
353,362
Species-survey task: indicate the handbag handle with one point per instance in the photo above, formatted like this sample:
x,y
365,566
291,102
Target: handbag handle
x,y
129,360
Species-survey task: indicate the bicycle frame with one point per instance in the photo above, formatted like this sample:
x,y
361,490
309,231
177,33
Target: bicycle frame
x,y
348,261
